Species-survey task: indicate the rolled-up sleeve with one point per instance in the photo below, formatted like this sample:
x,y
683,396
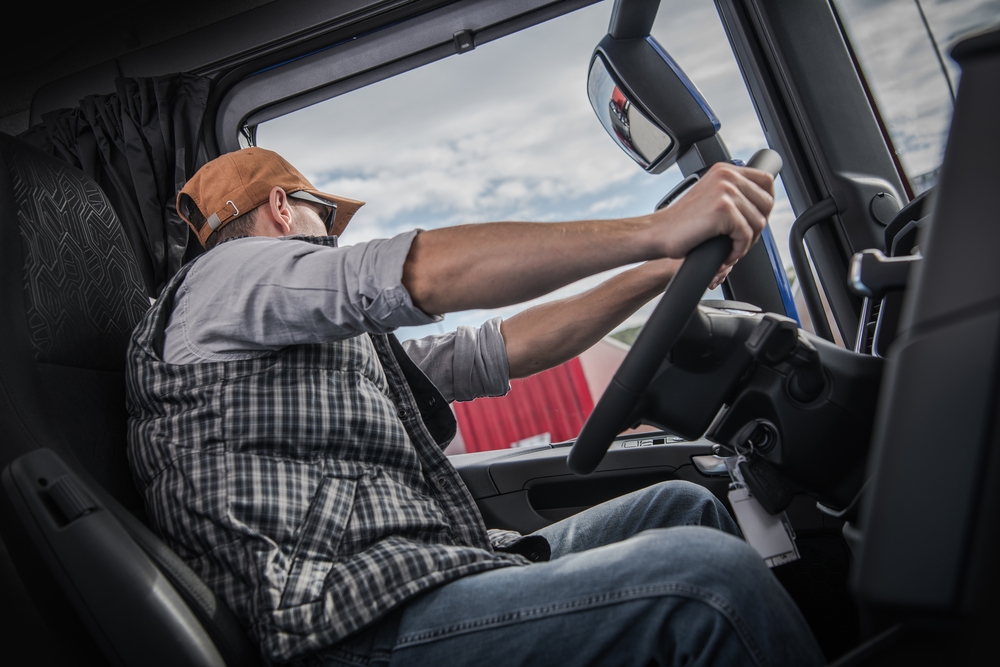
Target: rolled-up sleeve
x,y
468,363
259,293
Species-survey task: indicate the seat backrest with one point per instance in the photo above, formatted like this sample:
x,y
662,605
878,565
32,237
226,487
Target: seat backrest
x,y
70,295
930,514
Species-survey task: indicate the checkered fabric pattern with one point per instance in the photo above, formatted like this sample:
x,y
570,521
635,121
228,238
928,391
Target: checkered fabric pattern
x,y
303,485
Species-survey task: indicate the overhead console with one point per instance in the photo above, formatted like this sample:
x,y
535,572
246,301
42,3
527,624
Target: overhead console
x,y
280,56
430,31
165,41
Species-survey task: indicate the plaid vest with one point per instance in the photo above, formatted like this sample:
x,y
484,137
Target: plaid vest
x,y
306,486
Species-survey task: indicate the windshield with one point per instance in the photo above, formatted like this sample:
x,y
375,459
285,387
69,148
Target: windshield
x,y
507,132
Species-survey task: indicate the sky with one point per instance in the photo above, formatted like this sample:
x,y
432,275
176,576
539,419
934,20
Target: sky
x,y
905,73
506,132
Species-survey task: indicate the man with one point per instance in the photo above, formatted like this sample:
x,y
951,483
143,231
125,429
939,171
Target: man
x,y
291,451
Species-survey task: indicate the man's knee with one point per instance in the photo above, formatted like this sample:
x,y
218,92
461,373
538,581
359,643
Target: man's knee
x,y
700,555
679,488
682,503
728,575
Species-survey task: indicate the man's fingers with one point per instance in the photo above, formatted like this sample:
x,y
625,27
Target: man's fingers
x,y
720,276
740,230
760,196
754,218
728,200
754,203
745,202
762,179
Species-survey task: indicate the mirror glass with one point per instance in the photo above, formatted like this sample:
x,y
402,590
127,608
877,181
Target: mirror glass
x,y
635,133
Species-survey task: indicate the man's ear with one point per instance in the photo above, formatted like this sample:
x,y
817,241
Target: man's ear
x,y
278,213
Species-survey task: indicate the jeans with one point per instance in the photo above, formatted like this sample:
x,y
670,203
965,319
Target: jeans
x,y
656,577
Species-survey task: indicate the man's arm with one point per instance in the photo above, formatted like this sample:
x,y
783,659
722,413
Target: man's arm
x,y
464,364
546,335
491,265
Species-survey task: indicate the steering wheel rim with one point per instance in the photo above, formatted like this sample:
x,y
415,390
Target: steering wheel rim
x,y
658,336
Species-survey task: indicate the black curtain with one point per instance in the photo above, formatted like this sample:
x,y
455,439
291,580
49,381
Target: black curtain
x,y
141,144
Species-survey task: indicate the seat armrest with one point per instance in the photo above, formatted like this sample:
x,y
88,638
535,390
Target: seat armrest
x,y
130,609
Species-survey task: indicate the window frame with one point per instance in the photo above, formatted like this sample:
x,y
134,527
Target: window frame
x,y
812,104
343,61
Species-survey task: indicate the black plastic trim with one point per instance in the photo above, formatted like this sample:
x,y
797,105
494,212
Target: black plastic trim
x,y
632,18
146,621
818,212
325,73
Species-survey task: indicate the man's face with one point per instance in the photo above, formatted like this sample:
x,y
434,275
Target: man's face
x,y
309,218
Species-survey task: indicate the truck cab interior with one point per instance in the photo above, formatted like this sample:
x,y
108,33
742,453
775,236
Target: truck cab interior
x,y
865,408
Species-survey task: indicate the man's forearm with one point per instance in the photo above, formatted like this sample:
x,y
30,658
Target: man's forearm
x,y
549,334
492,265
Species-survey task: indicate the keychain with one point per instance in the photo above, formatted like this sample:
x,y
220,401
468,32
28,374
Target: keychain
x,y
771,535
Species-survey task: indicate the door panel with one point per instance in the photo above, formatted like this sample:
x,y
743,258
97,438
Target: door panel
x,y
527,489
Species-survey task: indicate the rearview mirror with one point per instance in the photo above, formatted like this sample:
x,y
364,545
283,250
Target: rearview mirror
x,y
646,102
634,132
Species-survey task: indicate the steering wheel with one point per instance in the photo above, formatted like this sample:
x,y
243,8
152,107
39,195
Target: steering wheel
x,y
658,336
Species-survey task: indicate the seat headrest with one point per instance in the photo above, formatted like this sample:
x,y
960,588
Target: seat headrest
x,y
82,290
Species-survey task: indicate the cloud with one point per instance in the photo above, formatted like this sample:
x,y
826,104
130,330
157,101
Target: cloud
x,y
503,132
506,132
616,202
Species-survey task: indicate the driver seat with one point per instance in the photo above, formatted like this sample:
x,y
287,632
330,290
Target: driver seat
x,y
927,571
70,517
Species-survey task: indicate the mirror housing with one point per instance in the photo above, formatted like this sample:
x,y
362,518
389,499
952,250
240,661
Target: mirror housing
x,y
647,104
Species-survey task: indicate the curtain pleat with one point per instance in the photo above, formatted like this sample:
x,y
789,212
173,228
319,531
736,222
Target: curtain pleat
x,y
141,144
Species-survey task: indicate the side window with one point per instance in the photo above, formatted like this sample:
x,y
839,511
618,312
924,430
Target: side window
x,y
506,132
693,35
902,47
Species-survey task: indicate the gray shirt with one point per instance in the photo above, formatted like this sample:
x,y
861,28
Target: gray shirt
x,y
251,295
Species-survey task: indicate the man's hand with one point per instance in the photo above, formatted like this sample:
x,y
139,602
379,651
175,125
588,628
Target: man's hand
x,y
728,200
720,276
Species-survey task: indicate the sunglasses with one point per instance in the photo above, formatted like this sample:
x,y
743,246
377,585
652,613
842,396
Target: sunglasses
x,y
331,208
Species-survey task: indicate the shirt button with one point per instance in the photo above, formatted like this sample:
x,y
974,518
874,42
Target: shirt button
x,y
402,413
442,481
431,401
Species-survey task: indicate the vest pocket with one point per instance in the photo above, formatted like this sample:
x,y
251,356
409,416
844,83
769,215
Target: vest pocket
x,y
319,538
387,508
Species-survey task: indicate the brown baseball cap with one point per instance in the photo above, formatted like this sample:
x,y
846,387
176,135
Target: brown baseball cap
x,y
238,182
